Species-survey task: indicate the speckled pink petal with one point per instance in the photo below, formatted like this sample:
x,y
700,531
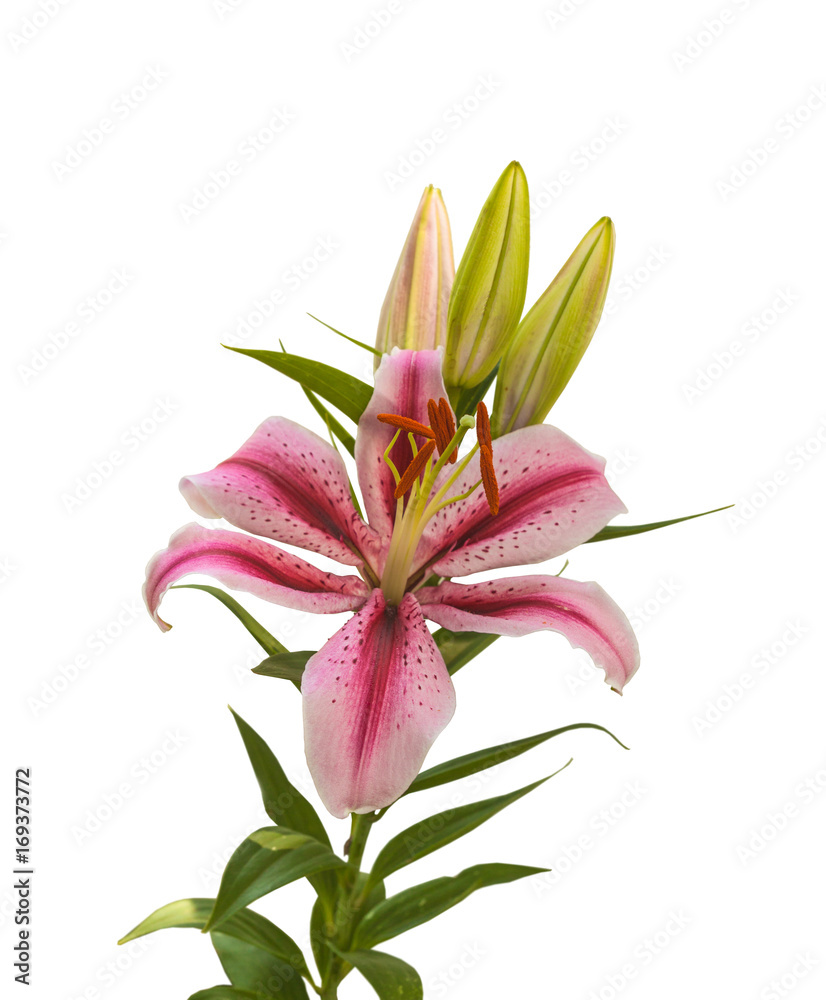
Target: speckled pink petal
x,y
287,484
553,496
405,381
582,612
376,696
246,563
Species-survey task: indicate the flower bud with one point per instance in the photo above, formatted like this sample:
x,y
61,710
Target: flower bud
x,y
553,336
489,291
414,314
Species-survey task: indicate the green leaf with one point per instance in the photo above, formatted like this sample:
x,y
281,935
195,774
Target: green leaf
x,y
459,648
345,392
352,340
249,967
620,530
267,860
390,977
289,666
283,802
335,427
181,913
472,763
256,931
266,641
489,290
443,828
227,993
554,335
247,936
417,905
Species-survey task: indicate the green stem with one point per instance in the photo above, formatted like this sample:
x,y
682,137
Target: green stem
x,y
359,832
349,906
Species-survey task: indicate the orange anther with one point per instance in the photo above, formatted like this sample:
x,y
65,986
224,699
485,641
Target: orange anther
x,y
450,424
412,472
483,426
406,423
489,478
443,424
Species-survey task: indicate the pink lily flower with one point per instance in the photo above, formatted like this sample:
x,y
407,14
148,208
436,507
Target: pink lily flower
x,y
378,693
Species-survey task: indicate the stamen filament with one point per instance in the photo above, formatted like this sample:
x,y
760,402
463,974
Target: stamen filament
x,y
461,496
460,468
389,460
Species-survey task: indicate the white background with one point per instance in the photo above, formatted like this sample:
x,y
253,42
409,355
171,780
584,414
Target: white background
x,y
647,110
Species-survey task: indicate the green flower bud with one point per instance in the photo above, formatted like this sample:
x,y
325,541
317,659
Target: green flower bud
x,y
553,336
414,314
489,291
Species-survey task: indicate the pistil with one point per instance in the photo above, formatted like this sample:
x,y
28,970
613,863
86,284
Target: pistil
x,y
421,507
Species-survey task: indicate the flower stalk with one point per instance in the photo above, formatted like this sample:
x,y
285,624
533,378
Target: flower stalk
x,y
406,529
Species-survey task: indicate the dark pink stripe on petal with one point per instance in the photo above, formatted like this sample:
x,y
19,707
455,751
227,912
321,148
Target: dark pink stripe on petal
x,y
515,606
405,381
287,484
376,696
553,495
245,563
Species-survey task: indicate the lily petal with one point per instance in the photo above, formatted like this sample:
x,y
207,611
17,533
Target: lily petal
x,y
376,696
553,495
582,612
288,484
405,381
248,564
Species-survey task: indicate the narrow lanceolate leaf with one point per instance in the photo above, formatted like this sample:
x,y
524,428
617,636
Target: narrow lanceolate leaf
x,y
182,913
347,439
489,290
620,530
227,993
289,666
459,648
390,977
267,860
257,932
358,343
246,927
249,967
345,392
417,905
284,803
553,336
266,641
472,763
418,841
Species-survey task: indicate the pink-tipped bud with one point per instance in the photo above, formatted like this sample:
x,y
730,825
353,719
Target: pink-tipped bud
x,y
414,314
